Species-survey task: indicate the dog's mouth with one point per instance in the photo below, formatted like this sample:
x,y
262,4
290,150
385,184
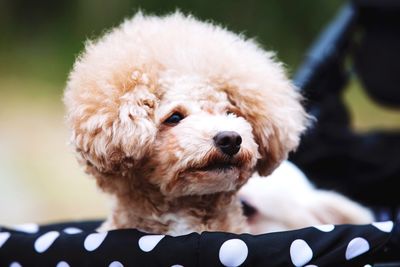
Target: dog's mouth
x,y
215,162
219,166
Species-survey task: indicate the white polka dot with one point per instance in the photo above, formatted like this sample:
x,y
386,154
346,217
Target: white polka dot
x,y
72,230
367,265
356,247
15,264
325,227
233,252
177,265
4,237
116,264
311,265
62,264
149,242
384,226
300,252
93,241
29,228
45,241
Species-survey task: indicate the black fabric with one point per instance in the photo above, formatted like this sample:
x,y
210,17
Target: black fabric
x,y
329,245
364,167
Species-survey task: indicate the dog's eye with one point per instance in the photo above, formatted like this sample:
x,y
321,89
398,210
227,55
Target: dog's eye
x,y
175,118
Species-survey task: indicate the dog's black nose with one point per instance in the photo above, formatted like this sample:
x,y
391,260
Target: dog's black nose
x,y
228,142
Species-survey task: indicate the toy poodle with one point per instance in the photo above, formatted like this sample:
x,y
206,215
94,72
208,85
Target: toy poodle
x,y
172,116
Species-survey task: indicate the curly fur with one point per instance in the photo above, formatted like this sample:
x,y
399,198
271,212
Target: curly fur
x,y
125,84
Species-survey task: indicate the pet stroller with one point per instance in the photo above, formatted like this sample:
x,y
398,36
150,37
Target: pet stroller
x,y
363,166
363,42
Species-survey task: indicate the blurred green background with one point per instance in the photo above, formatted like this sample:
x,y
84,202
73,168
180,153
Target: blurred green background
x,y
40,180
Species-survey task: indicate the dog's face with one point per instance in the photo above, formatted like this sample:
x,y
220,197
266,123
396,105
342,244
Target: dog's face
x,y
184,105
203,145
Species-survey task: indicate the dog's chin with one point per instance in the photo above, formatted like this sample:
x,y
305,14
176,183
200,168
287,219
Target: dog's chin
x,y
218,173
209,179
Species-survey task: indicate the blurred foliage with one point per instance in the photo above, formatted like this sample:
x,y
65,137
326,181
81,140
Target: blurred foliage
x,y
366,114
40,39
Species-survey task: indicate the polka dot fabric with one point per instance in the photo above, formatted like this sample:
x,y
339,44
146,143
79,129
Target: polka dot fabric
x,y
78,244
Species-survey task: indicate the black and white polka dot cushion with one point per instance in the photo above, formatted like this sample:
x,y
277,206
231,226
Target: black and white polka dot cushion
x,y
78,244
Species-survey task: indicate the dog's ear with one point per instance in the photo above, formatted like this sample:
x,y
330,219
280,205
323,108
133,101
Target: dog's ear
x,y
111,117
273,107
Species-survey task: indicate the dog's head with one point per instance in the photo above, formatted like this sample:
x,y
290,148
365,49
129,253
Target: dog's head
x,y
188,106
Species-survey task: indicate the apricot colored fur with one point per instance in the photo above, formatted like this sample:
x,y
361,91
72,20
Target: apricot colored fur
x,y
126,83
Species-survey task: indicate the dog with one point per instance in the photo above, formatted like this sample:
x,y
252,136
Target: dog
x,y
172,116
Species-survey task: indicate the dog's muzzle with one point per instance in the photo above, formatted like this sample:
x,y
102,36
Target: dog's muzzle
x,y
228,142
